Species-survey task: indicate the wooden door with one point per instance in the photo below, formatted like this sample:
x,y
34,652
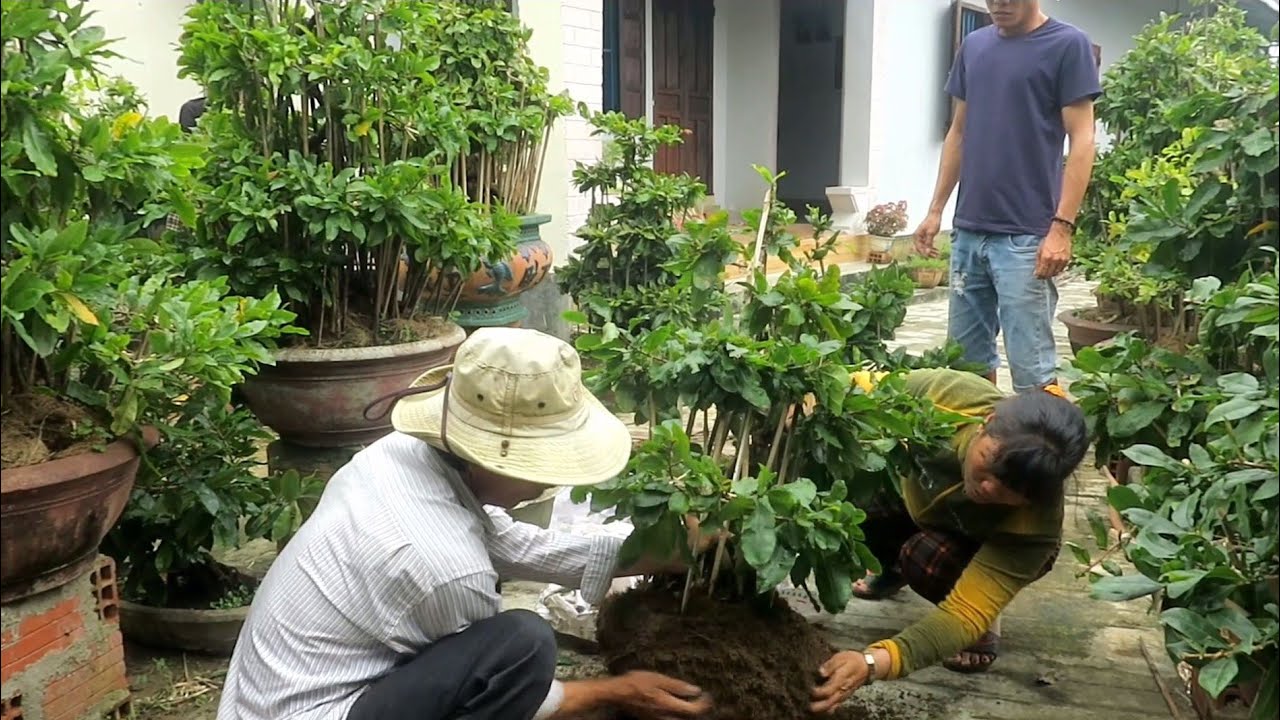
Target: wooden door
x,y
682,52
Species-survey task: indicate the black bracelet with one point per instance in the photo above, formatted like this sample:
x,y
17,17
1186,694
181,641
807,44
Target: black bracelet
x,y
1070,225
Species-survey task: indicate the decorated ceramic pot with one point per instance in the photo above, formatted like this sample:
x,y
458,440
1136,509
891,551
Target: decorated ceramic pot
x,y
491,296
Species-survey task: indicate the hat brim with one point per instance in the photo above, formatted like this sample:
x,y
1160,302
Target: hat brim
x,y
594,451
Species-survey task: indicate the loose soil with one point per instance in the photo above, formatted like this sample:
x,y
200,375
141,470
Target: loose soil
x,y
356,332
37,428
755,663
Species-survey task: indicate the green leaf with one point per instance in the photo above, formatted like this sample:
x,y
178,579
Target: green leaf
x,y
1135,419
776,570
1125,587
1257,143
835,587
575,317
1270,488
1234,409
759,537
1218,675
207,498
36,144
1123,497
1193,626
1152,457
282,528
1204,194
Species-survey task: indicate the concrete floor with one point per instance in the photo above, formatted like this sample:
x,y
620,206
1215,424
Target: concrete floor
x,y
1065,656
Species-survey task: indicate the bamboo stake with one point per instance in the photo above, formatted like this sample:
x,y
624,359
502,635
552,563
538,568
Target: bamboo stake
x,y
1155,675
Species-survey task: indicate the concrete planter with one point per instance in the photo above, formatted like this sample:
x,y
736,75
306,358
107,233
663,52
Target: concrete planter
x,y
1082,333
206,632
317,398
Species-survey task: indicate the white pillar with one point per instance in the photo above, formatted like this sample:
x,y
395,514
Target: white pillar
x,y
851,199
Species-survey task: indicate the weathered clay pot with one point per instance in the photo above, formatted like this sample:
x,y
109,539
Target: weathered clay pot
x,y
317,398
927,278
54,515
1083,333
207,632
491,296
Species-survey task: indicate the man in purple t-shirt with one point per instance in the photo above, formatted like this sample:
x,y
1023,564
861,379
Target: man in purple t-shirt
x,y
1021,86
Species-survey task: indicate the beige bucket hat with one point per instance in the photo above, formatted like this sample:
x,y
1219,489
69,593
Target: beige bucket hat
x,y
513,402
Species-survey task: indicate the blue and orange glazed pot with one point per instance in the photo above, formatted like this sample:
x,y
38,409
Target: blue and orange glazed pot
x,y
491,296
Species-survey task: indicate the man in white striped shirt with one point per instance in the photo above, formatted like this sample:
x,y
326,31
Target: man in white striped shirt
x,y
385,604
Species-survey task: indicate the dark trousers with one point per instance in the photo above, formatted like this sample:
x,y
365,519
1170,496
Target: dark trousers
x,y
930,561
497,669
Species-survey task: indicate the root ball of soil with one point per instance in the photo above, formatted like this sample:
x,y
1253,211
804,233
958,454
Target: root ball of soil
x,y
755,663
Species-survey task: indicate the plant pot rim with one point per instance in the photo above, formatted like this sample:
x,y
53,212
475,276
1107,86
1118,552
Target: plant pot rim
x,y
187,615
1072,318
60,470
535,219
451,337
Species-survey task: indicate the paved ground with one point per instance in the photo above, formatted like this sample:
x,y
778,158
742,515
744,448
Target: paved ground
x,y
1065,657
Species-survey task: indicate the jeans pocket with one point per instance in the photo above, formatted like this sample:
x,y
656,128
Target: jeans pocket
x,y
1025,243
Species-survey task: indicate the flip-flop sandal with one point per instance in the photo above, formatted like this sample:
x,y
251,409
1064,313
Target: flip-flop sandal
x,y
987,649
879,587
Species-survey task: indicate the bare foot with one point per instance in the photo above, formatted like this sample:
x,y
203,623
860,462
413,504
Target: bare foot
x,y
977,657
878,587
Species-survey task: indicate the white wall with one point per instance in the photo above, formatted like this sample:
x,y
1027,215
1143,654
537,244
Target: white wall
x,y
147,33
908,102
583,64
744,99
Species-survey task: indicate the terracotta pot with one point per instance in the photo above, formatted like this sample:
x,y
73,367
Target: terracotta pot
x,y
54,515
491,296
317,398
927,278
1082,333
207,632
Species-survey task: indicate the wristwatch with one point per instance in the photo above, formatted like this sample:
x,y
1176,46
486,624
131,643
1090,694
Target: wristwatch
x,y
871,668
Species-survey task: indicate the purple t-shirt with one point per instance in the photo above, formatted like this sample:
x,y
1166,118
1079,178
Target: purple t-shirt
x,y
1014,89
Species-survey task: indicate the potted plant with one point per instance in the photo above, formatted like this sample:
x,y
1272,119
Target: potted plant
x,y
884,222
345,184
627,250
97,327
198,494
756,429
927,272
1187,187
508,113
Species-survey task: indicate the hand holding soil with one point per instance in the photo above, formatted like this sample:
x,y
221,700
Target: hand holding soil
x,y
843,673
653,695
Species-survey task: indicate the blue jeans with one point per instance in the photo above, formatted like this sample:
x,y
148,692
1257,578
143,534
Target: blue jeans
x,y
994,289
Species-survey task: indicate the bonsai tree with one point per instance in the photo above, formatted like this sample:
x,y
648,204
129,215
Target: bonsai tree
x,y
1189,185
1200,525
202,491
626,257
339,161
756,430
100,329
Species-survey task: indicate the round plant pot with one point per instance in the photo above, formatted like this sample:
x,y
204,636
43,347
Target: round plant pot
x,y
317,397
53,515
880,244
490,297
1083,333
207,632
927,278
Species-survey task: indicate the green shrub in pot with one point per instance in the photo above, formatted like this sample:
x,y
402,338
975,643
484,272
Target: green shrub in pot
x,y
339,166
100,329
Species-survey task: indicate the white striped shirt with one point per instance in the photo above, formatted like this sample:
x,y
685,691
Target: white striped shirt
x,y
390,562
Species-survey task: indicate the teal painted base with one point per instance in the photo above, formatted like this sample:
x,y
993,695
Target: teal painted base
x,y
507,312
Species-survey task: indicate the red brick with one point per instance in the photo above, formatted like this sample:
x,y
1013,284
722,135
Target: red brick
x,y
48,617
34,646
70,697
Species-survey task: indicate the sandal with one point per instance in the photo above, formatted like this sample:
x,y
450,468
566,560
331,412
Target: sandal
x,y
982,654
878,587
